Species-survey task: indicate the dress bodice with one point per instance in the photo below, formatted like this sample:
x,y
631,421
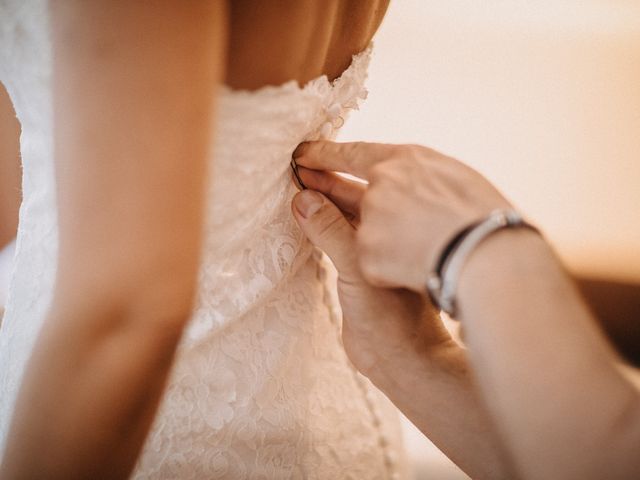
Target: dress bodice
x,y
252,241
261,387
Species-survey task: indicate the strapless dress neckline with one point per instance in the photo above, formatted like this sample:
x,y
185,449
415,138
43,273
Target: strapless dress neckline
x,y
353,74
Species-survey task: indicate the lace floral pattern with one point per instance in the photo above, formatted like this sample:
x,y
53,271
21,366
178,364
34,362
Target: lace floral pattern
x,y
261,387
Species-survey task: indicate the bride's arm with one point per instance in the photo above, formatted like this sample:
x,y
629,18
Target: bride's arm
x,y
134,86
9,171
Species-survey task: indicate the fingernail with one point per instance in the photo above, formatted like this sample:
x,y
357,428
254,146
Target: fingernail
x,y
308,202
299,151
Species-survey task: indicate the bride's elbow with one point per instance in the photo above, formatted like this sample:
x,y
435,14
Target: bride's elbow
x,y
153,299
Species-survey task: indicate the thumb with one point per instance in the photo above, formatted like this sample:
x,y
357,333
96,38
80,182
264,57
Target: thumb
x,y
327,228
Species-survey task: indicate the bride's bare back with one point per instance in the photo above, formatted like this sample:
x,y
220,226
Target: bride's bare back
x,y
272,42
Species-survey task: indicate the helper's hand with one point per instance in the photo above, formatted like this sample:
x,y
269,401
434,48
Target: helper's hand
x,y
394,335
381,327
416,200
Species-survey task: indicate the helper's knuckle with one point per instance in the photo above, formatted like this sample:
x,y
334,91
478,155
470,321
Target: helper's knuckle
x,y
414,150
370,269
330,226
379,171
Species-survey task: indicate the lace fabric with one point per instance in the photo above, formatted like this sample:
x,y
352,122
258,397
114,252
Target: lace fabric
x,y
261,386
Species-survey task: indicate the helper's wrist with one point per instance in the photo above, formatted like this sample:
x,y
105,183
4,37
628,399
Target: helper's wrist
x,y
505,261
423,350
442,282
416,364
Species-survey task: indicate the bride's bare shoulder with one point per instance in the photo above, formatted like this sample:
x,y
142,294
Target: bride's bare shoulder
x,y
273,42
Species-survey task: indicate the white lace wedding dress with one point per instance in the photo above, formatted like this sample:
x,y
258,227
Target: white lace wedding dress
x,y
261,387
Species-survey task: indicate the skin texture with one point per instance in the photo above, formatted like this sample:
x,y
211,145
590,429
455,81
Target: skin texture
x,y
9,169
273,42
547,392
131,149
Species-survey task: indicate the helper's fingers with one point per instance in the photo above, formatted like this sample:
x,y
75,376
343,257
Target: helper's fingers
x,y
325,226
345,193
356,158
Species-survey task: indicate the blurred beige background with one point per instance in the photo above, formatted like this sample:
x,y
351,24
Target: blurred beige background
x,y
543,97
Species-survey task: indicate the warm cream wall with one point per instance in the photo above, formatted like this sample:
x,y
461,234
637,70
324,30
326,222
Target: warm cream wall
x,y
543,97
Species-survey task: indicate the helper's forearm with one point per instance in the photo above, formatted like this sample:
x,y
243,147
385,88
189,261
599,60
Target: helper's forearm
x,y
434,389
546,372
